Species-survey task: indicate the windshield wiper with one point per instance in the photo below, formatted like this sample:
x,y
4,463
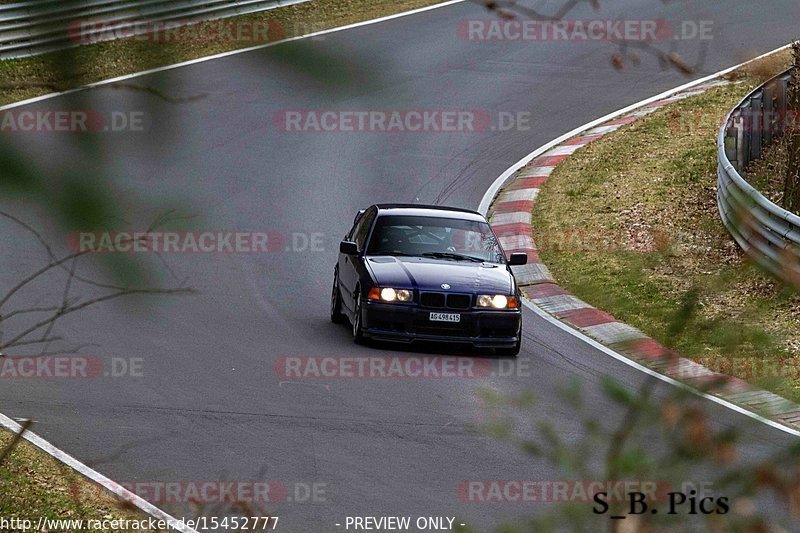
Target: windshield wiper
x,y
451,255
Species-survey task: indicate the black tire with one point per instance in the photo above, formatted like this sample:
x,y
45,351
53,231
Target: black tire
x,y
336,301
358,331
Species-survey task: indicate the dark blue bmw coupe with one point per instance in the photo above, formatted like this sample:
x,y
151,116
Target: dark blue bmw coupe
x,y
427,273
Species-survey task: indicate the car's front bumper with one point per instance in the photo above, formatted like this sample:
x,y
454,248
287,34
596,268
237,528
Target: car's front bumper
x,y
408,323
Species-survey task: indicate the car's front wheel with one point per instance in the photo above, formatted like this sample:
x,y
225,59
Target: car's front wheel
x,y
336,301
358,330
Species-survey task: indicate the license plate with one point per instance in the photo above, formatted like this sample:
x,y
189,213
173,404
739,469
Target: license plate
x,y
445,317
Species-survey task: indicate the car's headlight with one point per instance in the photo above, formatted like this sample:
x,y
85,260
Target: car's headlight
x,y
388,294
497,301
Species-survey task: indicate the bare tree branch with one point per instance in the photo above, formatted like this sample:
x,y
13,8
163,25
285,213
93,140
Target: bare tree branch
x,y
511,9
29,310
62,312
41,340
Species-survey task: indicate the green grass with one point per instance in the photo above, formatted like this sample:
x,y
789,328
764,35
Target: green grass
x,y
34,76
697,294
33,485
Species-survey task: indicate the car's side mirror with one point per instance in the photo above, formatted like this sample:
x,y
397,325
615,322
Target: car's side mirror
x,y
348,248
518,259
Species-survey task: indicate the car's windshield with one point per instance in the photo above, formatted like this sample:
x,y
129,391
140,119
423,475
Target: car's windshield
x,y
442,238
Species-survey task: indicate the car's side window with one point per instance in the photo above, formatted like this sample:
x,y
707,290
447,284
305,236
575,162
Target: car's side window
x,y
363,227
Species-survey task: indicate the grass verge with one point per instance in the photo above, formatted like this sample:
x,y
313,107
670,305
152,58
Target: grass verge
x,y
693,291
33,76
34,485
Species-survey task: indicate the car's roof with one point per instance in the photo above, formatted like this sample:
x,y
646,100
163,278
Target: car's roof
x,y
422,210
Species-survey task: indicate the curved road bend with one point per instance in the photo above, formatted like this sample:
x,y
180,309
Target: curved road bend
x,y
209,404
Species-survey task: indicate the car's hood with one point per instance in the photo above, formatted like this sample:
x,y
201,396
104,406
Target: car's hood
x,y
429,274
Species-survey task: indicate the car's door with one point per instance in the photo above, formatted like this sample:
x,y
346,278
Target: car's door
x,y
349,265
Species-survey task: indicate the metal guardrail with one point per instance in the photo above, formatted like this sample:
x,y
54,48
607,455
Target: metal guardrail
x,y
769,234
39,26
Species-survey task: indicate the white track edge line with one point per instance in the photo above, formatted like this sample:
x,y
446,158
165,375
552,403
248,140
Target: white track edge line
x,y
152,510
493,190
487,199
630,362
112,486
226,54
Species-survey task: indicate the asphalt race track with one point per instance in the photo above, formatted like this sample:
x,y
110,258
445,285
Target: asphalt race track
x,y
209,404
